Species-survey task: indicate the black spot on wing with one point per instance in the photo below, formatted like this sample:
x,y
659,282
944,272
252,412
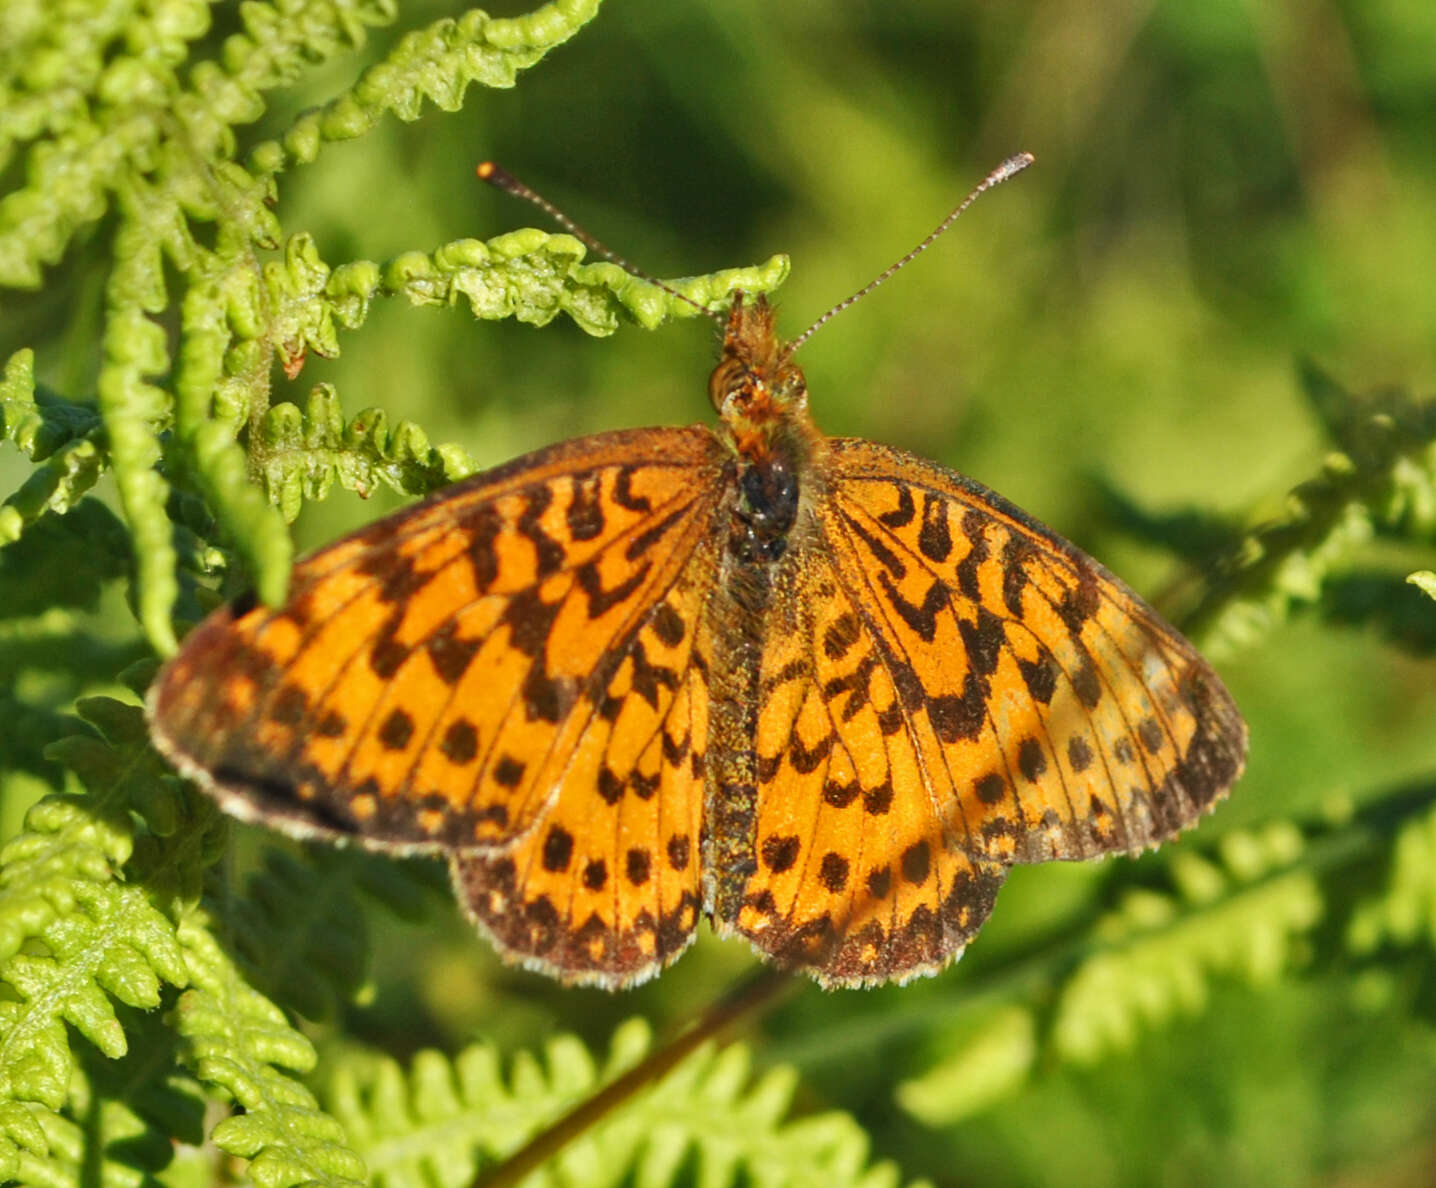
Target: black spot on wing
x,y
397,730
922,619
903,513
991,788
955,718
1031,761
460,743
449,654
585,513
779,853
935,537
548,552
557,849
833,873
668,625
290,706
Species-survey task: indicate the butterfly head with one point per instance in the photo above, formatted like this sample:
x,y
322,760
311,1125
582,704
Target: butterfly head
x,y
755,388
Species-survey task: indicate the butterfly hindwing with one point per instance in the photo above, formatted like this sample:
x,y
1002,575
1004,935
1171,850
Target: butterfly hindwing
x,y
606,889
853,882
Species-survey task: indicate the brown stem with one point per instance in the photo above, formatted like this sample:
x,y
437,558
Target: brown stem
x,y
743,1002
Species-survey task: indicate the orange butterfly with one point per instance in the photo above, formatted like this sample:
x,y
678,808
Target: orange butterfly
x,y
819,690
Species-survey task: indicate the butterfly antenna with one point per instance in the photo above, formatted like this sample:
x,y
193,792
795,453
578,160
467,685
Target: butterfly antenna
x,y
1009,168
501,179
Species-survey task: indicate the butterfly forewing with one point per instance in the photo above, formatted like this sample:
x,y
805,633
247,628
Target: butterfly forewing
x,y
947,688
1059,714
435,678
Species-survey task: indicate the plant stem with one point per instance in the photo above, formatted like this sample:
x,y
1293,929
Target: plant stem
x,y
740,1004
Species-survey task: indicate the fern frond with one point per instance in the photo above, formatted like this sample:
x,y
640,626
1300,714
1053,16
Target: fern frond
x,y
436,64
1384,476
22,1139
133,407
82,947
442,1121
60,435
1263,905
236,1041
76,939
61,564
103,1141
124,1117
530,275
87,937
534,276
1403,912
984,1058
302,454
1245,916
294,926
1158,953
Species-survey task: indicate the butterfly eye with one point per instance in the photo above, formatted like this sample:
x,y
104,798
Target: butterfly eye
x,y
794,389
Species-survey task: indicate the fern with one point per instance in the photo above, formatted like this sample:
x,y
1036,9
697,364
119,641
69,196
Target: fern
x,y
75,940
1252,912
65,437
1382,479
440,1122
145,984
239,1043
1425,581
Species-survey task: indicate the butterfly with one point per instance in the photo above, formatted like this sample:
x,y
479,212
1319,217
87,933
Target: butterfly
x,y
819,691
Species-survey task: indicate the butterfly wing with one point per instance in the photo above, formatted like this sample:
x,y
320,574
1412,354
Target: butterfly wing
x,y
1045,698
947,689
514,654
853,881
606,889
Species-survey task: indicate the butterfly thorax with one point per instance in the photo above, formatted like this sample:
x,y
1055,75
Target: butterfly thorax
x,y
762,399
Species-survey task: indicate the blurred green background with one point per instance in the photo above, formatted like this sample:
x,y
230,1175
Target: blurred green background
x,y
1221,189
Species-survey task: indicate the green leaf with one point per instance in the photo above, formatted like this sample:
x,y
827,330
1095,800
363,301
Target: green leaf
x,y
436,64
304,453
88,937
236,1041
442,1121
1385,478
988,1059
63,437
1403,913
